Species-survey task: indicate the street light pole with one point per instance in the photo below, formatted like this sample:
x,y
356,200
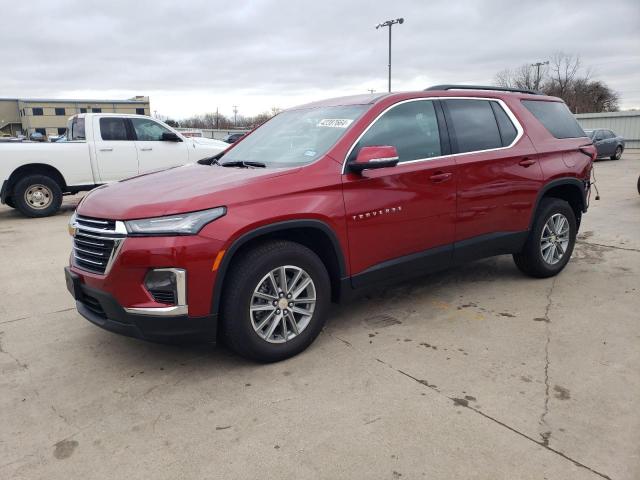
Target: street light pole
x,y
390,23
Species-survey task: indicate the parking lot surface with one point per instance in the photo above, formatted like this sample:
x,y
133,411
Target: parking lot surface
x,y
476,372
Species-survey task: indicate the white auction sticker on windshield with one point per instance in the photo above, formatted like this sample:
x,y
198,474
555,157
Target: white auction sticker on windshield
x,y
335,122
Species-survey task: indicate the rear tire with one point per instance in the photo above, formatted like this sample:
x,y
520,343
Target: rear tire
x,y
618,154
551,240
263,324
37,196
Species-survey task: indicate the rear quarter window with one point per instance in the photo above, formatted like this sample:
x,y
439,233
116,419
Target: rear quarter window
x,y
556,118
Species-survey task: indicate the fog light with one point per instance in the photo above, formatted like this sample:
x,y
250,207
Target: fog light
x,y
167,285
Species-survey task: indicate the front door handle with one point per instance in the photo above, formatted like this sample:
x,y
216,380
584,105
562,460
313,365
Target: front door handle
x,y
146,149
440,177
109,149
526,162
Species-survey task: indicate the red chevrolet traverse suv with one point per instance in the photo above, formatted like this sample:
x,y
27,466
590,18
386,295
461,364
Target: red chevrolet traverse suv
x,y
325,199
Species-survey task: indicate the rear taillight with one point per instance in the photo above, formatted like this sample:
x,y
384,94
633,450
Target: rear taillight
x,y
589,150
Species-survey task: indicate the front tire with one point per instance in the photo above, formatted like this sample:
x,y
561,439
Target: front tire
x,y
37,196
551,240
275,301
618,154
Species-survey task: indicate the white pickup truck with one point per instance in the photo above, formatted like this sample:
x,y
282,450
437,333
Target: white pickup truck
x,y
98,148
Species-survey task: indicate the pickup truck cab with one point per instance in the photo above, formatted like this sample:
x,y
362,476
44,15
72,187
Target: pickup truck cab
x,y
97,149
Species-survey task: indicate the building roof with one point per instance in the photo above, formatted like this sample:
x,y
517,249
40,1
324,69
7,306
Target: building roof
x,y
77,100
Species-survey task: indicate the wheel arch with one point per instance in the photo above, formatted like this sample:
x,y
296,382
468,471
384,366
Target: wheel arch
x,y
35,169
314,234
570,189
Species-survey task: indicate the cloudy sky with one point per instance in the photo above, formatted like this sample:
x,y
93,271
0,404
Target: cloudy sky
x,y
193,56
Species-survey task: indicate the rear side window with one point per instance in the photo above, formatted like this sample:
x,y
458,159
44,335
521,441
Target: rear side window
x,y
474,125
556,118
411,127
507,129
76,131
113,129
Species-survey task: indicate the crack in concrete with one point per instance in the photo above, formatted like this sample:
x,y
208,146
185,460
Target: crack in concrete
x,y
15,359
502,424
37,314
610,246
542,443
543,418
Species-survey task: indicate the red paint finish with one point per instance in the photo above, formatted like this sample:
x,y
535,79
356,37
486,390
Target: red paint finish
x,y
376,216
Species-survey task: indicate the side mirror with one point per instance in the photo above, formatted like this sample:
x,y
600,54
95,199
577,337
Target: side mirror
x,y
170,137
382,156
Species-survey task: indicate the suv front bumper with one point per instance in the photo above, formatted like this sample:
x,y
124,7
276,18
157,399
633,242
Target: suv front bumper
x,y
103,310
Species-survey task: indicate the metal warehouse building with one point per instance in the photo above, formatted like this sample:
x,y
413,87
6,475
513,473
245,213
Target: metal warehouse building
x,y
626,124
49,116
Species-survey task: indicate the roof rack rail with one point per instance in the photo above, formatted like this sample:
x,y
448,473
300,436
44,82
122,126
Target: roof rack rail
x,y
482,87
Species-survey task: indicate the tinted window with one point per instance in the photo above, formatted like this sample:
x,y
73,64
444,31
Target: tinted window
x,y
556,118
148,130
474,125
37,111
411,127
60,111
96,110
507,129
140,111
113,129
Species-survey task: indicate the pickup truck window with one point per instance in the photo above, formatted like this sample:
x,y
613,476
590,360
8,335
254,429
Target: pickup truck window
x,y
148,130
76,129
113,129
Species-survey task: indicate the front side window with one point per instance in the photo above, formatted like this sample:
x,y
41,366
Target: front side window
x,y
37,111
556,118
474,125
411,127
60,111
148,130
113,129
296,137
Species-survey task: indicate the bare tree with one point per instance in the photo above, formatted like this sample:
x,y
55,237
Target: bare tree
x,y
563,70
523,77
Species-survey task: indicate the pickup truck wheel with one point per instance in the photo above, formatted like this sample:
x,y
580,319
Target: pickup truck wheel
x,y
37,196
9,202
618,154
275,301
551,240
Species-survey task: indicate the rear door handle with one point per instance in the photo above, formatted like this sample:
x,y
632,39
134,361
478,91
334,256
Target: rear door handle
x,y
109,149
440,177
526,162
146,149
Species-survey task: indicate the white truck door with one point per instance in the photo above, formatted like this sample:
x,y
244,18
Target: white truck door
x,y
153,151
116,153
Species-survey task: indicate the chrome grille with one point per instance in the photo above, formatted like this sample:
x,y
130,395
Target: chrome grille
x,y
96,243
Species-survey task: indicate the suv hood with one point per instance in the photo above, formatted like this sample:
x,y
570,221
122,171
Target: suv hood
x,y
177,190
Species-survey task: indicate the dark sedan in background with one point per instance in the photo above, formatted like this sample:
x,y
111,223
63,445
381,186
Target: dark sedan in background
x,y
607,143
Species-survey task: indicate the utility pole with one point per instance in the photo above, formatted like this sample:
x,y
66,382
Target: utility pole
x,y
538,65
370,90
217,119
389,23
235,116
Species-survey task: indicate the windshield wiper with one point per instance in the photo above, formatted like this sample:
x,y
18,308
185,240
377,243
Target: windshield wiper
x,y
243,164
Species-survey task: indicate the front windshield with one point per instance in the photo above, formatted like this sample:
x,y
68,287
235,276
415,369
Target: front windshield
x,y
295,137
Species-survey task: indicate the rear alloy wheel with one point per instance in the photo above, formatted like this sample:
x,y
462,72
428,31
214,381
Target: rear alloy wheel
x,y
37,196
551,240
618,154
275,300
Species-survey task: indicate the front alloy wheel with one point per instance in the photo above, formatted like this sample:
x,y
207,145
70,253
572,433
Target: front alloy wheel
x,y
275,300
283,304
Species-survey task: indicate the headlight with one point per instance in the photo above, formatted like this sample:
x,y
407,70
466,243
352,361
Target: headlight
x,y
72,224
182,224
